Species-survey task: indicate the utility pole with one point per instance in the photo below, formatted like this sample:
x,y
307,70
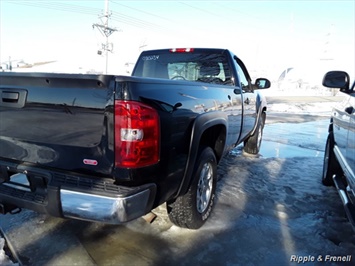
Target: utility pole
x,y
142,45
106,31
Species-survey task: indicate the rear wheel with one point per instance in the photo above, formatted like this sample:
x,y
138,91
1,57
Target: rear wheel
x,y
330,163
253,143
192,209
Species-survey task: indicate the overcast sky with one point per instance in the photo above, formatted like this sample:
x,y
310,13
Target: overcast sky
x,y
268,35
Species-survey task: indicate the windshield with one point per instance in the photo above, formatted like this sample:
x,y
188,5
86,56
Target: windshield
x,y
202,67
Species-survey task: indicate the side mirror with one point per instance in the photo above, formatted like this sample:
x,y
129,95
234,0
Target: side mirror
x,y
337,79
262,83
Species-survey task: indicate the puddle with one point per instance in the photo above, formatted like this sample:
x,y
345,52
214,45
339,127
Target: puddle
x,y
270,149
288,140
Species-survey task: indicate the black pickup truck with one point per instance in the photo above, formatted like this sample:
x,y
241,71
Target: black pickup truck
x,y
111,148
339,156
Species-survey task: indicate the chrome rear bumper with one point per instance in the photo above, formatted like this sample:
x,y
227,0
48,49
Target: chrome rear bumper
x,y
107,209
72,196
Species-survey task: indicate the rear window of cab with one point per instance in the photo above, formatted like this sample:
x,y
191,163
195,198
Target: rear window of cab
x,y
191,66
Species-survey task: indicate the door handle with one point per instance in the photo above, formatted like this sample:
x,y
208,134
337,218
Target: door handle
x,y
237,91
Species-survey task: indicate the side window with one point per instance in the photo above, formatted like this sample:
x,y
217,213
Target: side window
x,y
243,79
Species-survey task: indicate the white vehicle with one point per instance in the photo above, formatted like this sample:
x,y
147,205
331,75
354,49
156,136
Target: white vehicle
x,y
339,157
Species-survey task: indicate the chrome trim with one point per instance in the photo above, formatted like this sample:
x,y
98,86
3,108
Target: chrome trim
x,y
343,196
344,165
97,208
351,194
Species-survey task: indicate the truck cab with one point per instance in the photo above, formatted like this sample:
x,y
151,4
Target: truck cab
x,y
214,67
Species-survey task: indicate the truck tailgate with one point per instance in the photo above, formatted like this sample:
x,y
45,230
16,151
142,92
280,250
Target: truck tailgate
x,y
61,121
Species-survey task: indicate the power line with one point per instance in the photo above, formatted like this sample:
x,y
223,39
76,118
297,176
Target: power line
x,y
118,17
58,6
201,9
141,11
79,9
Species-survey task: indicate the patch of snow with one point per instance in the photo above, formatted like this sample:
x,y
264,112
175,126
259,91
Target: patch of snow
x,y
60,67
322,108
4,259
317,90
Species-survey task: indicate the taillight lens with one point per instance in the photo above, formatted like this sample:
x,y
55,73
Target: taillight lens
x,y
137,132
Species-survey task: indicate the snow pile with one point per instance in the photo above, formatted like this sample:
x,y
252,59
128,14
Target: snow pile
x,y
319,91
4,259
322,108
311,102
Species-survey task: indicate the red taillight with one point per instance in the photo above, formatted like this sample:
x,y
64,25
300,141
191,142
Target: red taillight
x,y
137,132
181,50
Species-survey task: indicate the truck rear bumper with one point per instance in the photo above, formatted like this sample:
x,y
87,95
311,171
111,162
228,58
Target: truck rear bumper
x,y
73,196
113,210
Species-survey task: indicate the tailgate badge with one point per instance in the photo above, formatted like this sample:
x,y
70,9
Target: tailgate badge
x,y
90,162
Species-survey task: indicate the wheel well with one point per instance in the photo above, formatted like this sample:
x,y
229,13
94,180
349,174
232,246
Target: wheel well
x,y
215,137
263,112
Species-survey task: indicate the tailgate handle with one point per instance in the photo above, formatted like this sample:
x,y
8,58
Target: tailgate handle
x,y
15,98
10,96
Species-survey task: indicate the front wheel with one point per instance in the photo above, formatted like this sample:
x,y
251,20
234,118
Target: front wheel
x,y
330,163
253,143
192,209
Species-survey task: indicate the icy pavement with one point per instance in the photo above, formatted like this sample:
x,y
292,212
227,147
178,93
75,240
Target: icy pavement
x,y
306,139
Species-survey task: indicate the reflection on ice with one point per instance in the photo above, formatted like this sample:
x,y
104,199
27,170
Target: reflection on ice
x,y
287,140
279,150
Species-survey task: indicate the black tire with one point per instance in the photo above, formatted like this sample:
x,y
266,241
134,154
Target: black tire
x,y
331,165
192,209
252,143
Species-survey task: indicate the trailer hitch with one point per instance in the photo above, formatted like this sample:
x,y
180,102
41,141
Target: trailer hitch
x,y
9,208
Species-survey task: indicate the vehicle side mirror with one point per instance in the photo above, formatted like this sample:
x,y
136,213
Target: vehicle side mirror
x,y
262,83
337,79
